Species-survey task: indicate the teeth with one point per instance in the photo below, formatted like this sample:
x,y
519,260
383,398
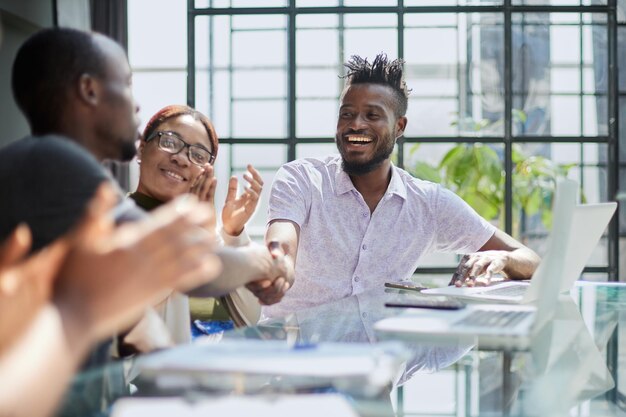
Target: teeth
x,y
359,139
174,175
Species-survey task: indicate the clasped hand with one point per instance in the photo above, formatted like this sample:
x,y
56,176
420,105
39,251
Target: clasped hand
x,y
271,289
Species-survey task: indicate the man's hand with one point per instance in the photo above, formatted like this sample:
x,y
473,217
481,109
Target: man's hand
x,y
501,254
280,277
25,282
111,275
238,209
478,268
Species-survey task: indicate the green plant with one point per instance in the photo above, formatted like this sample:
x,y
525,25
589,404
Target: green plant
x,y
475,172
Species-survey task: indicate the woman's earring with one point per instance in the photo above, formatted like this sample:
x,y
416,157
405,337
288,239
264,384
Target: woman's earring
x,y
138,161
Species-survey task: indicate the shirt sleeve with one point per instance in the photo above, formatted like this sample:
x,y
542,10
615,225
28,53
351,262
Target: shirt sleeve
x,y
459,228
243,239
290,197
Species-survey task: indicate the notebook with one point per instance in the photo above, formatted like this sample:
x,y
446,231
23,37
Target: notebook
x,y
508,326
585,230
253,366
301,405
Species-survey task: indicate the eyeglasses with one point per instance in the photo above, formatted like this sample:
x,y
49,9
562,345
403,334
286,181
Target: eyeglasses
x,y
172,143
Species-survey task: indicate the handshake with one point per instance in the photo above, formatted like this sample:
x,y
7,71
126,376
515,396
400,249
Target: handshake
x,y
279,277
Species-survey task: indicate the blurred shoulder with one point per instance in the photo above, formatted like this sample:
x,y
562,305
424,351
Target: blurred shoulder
x,y
49,150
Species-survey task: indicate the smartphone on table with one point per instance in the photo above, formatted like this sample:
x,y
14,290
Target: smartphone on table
x,y
405,285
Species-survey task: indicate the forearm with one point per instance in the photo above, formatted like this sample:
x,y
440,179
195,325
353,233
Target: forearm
x,y
513,259
521,263
41,363
239,267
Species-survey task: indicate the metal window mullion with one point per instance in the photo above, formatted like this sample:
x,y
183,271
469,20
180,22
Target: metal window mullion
x,y
464,78
400,34
557,9
613,182
523,93
291,80
613,133
341,30
581,124
231,101
394,9
508,126
191,56
437,139
211,68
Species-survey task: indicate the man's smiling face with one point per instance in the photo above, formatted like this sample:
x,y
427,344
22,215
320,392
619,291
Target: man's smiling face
x,y
367,127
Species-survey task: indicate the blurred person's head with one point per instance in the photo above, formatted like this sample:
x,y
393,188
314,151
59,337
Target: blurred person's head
x,y
178,143
78,84
372,113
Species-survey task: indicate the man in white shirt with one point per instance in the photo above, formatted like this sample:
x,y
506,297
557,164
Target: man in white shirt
x,y
355,220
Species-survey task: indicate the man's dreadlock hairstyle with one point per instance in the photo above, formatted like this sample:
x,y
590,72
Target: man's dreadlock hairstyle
x,y
383,72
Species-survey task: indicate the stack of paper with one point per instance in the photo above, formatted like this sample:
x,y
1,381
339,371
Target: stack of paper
x,y
247,365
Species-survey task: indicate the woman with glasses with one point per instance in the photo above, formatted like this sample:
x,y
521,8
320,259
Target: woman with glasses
x,y
176,156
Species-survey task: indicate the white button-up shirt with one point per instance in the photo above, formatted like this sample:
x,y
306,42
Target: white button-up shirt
x,y
345,250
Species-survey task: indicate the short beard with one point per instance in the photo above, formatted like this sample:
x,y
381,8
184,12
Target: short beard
x,y
362,168
358,168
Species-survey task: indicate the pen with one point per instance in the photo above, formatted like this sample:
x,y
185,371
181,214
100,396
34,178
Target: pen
x,y
405,286
304,346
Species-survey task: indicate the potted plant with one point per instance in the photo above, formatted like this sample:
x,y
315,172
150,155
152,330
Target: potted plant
x,y
475,172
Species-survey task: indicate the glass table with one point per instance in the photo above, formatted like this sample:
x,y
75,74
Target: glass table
x,y
574,366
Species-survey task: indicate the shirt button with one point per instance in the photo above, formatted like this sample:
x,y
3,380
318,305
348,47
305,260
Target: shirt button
x,y
364,315
364,247
356,279
365,214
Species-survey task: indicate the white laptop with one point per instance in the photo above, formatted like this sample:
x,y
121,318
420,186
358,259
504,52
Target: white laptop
x,y
506,326
588,223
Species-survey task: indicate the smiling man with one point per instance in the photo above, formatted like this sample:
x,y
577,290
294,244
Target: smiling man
x,y
353,221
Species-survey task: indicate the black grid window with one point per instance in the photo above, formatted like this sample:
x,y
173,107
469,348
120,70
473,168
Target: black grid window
x,y
514,80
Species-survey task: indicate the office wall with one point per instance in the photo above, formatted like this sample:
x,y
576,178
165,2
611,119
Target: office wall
x,y
13,123
38,13
18,20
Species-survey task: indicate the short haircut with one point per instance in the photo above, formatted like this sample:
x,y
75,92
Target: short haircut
x,y
46,67
383,72
176,110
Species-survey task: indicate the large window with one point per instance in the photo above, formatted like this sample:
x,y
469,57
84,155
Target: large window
x,y
528,90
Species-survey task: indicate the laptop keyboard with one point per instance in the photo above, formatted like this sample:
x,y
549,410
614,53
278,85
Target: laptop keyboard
x,y
493,318
512,290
